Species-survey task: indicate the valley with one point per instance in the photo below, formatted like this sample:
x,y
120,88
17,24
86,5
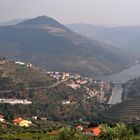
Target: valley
x,y
48,44
29,87
124,37
119,79
69,70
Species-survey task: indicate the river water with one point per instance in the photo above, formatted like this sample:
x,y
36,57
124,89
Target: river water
x,y
119,78
116,95
123,76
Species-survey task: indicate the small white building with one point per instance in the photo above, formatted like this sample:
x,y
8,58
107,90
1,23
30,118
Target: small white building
x,y
20,63
66,102
34,117
73,85
2,118
29,65
15,101
81,81
2,62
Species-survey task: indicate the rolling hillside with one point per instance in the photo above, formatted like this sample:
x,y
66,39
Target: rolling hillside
x,y
49,44
46,94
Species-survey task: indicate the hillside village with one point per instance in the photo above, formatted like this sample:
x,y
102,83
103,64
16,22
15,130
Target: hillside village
x,y
89,93
102,90
94,88
99,90
22,122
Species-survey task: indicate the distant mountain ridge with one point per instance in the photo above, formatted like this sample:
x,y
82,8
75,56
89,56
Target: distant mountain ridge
x,y
125,37
49,44
12,22
42,20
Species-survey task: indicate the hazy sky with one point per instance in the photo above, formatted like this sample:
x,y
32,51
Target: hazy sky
x,y
116,12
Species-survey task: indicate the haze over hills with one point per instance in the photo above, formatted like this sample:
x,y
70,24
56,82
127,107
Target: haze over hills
x,y
49,44
125,37
12,22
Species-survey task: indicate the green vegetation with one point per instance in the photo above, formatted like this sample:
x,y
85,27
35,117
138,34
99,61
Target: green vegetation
x,y
71,134
26,75
55,111
117,131
21,82
127,111
131,89
120,131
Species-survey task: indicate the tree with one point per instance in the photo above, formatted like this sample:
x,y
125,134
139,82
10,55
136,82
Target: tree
x,y
118,132
70,134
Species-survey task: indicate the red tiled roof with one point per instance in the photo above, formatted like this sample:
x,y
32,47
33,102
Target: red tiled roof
x,y
96,131
17,120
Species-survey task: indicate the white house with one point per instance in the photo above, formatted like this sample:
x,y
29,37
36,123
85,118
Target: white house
x,y
2,118
20,63
66,102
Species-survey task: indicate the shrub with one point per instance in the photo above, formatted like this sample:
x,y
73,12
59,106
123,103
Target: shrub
x,y
70,134
119,132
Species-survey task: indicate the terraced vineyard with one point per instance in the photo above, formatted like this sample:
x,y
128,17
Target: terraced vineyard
x,y
128,111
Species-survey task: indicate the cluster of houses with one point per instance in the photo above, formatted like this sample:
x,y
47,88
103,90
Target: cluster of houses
x,y
94,88
72,80
18,121
23,64
98,89
16,62
101,90
22,122
62,75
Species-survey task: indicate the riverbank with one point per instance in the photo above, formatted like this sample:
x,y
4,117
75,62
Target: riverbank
x,y
116,96
123,76
119,79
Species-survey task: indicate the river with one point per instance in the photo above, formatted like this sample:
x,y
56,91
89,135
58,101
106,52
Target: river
x,y
123,76
116,95
120,78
